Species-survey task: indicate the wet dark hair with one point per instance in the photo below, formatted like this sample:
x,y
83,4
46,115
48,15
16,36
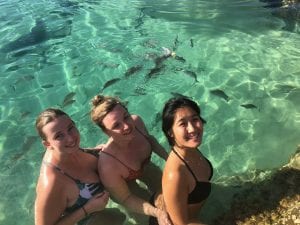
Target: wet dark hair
x,y
169,111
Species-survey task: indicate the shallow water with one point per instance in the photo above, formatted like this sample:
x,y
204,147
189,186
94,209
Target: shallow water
x,y
236,58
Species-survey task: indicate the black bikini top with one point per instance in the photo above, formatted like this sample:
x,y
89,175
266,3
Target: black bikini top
x,y
202,188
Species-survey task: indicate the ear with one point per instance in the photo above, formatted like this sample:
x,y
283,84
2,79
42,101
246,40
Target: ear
x,y
170,133
46,143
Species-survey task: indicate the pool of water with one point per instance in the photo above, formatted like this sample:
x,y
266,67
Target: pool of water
x,y
238,59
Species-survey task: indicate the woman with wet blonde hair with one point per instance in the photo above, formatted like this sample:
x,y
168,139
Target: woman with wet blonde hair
x,y
126,157
68,190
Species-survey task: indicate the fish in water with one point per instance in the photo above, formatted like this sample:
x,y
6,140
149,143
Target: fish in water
x,y
179,58
249,106
176,42
110,82
220,94
47,86
69,102
132,70
192,42
38,34
191,74
155,71
26,147
68,99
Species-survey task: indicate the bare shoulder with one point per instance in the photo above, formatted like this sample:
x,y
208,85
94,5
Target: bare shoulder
x,y
50,180
174,172
109,168
139,123
137,119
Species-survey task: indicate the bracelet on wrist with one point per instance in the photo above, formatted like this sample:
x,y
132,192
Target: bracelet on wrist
x,y
84,210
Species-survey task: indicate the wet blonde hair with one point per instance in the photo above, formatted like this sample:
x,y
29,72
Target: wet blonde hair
x,y
45,117
101,106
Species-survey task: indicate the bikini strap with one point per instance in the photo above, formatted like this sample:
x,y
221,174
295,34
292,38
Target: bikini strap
x,y
60,170
111,155
187,166
144,135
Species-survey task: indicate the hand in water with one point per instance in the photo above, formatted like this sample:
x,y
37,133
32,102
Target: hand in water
x,y
163,218
97,202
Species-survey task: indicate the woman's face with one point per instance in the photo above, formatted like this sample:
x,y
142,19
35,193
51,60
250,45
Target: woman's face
x,y
187,129
61,134
118,123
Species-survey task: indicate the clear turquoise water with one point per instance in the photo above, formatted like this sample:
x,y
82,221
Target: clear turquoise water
x,y
239,47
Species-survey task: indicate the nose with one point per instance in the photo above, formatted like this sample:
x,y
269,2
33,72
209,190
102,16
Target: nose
x,y
190,127
70,138
125,126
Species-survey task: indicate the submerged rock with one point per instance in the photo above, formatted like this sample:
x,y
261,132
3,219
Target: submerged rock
x,y
275,200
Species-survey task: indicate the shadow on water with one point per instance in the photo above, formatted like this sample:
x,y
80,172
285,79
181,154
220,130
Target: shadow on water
x,y
206,16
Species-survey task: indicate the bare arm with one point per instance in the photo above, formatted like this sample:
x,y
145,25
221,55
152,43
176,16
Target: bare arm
x,y
156,147
175,194
51,202
118,188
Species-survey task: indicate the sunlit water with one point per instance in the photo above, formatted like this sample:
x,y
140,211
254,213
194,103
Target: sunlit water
x,y
233,57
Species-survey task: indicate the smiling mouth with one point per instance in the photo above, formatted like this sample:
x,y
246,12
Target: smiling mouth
x,y
71,146
193,137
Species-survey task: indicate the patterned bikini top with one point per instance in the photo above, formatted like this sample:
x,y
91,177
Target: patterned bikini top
x,y
86,190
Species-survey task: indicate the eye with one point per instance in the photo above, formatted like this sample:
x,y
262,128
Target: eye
x,y
196,119
182,124
58,136
126,116
116,126
71,128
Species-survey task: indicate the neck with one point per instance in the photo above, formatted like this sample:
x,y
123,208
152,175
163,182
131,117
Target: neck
x,y
58,158
184,152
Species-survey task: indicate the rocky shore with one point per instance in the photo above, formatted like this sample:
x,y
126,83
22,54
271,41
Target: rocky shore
x,y
273,200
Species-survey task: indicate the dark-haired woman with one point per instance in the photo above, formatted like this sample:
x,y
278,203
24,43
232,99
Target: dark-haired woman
x,y
125,158
187,173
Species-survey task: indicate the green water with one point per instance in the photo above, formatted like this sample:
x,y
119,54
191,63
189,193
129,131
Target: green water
x,y
237,47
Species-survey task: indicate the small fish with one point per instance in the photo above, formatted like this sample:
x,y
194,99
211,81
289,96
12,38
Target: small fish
x,y
191,74
67,103
132,70
179,58
191,42
155,70
176,42
24,115
69,96
249,106
158,117
48,86
220,94
13,68
26,147
110,82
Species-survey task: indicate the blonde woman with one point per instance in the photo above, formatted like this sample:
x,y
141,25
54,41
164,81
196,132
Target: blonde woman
x,y
126,156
